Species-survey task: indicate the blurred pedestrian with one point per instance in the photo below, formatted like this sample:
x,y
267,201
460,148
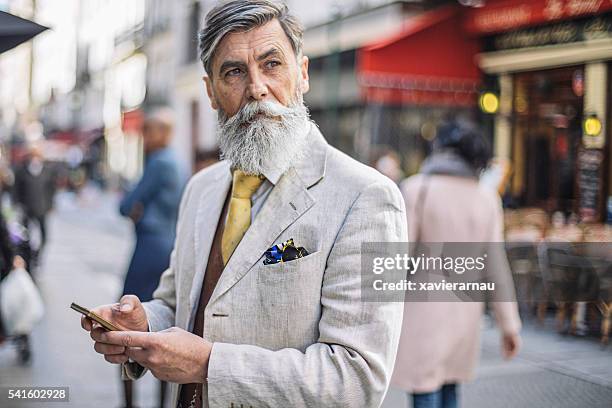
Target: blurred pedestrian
x,y
6,261
33,191
440,341
153,207
9,261
390,165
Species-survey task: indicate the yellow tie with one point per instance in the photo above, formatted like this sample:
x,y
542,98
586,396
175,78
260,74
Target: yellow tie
x,y
239,212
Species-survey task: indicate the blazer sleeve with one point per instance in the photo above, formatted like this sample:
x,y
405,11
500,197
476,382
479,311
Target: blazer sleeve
x,y
352,362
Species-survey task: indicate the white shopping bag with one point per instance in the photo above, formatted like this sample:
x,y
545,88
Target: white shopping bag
x,y
21,305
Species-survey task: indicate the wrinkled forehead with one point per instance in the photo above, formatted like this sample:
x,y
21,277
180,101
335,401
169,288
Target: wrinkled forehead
x,y
253,44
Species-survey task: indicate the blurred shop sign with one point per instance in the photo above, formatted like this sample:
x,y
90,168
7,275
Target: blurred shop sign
x,y
560,33
512,15
589,184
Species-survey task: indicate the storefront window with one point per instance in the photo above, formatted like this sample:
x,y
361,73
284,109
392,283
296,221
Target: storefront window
x,y
548,108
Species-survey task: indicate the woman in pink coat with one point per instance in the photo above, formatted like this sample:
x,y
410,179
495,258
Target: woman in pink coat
x,y
440,342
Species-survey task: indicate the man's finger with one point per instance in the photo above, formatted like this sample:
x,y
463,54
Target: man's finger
x,y
141,356
108,348
116,358
96,333
86,323
129,338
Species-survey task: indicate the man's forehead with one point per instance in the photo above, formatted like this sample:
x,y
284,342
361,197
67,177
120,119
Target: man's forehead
x,y
254,42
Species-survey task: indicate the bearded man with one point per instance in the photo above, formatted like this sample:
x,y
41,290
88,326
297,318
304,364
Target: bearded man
x,y
261,305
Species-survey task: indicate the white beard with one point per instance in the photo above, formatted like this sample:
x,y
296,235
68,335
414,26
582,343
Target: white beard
x,y
274,141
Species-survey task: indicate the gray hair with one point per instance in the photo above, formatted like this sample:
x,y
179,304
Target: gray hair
x,y
243,15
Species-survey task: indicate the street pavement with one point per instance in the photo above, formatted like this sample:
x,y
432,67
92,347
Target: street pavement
x,y
85,261
88,252
551,371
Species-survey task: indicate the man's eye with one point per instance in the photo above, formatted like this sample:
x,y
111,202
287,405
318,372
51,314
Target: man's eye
x,y
272,64
233,72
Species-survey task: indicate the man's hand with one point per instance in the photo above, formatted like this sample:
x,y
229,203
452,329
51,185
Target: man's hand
x,y
128,314
173,355
511,344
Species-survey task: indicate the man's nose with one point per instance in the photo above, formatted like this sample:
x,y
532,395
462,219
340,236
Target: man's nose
x,y
257,88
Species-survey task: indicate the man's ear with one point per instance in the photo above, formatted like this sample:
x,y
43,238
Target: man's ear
x,y
210,92
304,79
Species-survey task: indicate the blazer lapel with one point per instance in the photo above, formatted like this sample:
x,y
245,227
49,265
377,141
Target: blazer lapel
x,y
212,198
287,202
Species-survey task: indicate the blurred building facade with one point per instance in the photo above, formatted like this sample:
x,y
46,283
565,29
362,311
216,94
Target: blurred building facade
x,y
16,86
551,61
335,99
383,75
546,63
86,71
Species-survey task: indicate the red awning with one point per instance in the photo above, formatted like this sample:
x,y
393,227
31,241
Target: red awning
x,y
430,62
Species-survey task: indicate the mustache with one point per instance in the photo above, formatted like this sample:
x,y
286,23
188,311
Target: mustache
x,y
257,110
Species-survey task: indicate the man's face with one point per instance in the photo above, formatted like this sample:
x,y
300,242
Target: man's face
x,y
256,65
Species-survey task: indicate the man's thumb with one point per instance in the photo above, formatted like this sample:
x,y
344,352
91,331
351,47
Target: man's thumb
x,y
127,303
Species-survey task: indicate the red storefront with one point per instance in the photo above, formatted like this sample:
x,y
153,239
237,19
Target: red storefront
x,y
548,60
417,78
551,59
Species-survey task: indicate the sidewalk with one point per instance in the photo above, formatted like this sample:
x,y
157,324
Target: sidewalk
x,y
552,371
87,255
86,258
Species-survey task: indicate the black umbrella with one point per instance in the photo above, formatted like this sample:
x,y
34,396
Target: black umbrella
x,y
15,30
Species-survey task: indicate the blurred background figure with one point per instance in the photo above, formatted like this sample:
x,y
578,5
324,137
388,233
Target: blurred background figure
x,y
153,207
440,341
34,189
9,260
389,164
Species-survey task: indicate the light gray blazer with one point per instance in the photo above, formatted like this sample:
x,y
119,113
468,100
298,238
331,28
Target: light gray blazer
x,y
292,334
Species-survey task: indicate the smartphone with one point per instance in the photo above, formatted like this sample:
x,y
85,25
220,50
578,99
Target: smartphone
x,y
96,318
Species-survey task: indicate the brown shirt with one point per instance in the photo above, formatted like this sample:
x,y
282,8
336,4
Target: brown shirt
x,y
191,394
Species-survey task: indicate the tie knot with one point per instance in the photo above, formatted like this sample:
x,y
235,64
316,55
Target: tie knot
x,y
245,185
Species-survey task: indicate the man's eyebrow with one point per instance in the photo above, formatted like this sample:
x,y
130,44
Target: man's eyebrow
x,y
273,52
232,64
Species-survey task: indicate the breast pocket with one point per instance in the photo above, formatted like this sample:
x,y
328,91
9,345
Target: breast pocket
x,y
282,271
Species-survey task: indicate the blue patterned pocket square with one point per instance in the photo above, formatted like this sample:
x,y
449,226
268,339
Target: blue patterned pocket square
x,y
285,252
